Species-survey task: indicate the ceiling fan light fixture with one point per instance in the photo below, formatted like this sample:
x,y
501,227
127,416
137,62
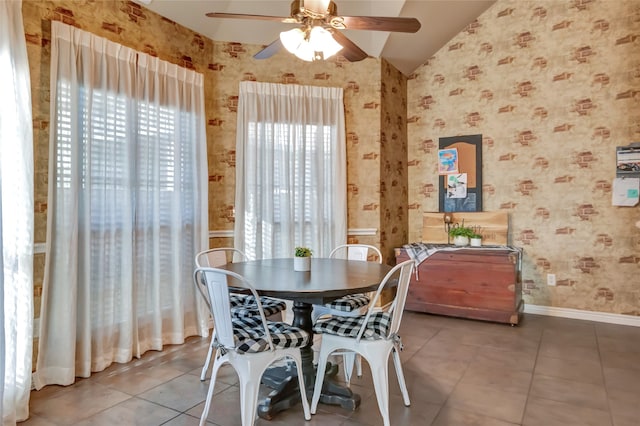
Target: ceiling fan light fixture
x,y
310,45
292,39
321,40
318,6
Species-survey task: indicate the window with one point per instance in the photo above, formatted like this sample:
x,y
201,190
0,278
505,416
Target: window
x,y
291,169
127,206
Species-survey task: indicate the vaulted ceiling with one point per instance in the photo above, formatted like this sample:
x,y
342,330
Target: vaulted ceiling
x,y
441,20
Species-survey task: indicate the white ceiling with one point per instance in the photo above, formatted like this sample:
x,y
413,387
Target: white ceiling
x,y
441,20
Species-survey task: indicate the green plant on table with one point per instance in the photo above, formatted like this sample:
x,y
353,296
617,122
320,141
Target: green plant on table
x,y
303,252
461,231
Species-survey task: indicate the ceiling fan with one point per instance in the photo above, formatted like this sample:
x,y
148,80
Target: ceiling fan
x,y
318,36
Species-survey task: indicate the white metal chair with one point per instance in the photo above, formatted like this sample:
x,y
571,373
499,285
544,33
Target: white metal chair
x,y
351,305
373,336
250,344
242,305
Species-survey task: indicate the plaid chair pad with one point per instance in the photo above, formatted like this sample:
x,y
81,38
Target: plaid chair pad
x,y
349,303
249,335
244,306
377,326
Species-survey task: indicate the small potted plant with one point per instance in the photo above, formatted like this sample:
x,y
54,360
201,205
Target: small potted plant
x,y
302,259
476,240
461,234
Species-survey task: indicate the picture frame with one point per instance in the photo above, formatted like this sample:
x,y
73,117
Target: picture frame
x,y
469,161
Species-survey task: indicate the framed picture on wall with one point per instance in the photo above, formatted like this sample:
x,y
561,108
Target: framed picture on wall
x,y
469,163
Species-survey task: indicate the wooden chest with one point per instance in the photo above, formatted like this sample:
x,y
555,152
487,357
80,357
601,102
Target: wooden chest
x,y
472,283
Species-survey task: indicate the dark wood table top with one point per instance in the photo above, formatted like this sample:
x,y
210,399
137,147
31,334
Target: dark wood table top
x,y
327,280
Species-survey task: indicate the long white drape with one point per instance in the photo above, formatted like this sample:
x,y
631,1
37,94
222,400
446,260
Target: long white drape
x,y
16,217
290,169
127,206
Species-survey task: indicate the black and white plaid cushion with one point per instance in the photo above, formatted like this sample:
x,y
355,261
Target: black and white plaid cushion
x,y
244,306
349,303
377,326
250,338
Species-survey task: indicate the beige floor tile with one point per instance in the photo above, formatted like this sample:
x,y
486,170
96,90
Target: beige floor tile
x,y
623,379
181,393
620,344
450,349
581,394
462,336
225,408
560,350
544,412
624,360
576,370
183,420
504,379
423,364
83,400
141,379
583,338
488,401
623,332
495,358
132,412
453,417
35,420
625,407
421,413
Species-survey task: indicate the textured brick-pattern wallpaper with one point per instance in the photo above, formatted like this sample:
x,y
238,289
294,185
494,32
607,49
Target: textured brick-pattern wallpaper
x,y
233,62
224,65
553,87
393,173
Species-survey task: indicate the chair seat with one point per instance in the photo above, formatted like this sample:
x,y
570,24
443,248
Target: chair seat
x,y
249,335
243,306
350,303
377,326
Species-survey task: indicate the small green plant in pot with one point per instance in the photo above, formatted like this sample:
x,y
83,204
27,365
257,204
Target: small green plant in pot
x,y
461,234
476,239
302,259
303,252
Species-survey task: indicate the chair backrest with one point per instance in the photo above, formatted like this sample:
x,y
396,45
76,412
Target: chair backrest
x,y
402,272
216,283
355,252
219,256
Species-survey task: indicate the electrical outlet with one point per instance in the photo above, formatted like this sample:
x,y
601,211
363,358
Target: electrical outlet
x,y
551,279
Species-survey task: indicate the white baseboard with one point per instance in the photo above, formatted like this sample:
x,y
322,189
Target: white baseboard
x,y
583,315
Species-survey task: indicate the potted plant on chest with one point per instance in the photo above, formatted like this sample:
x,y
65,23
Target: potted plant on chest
x,y
476,240
302,259
461,234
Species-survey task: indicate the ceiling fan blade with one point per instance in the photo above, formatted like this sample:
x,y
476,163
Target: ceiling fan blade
x,y
379,23
270,50
287,20
350,50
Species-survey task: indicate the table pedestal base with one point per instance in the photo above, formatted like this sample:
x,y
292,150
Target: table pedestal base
x,y
284,380
285,394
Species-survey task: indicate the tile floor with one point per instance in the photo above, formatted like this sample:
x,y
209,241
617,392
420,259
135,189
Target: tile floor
x,y
547,371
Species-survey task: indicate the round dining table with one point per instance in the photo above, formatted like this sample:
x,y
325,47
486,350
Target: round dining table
x,y
327,280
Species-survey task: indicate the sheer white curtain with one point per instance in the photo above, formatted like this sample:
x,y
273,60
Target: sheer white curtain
x,y
290,169
16,217
127,206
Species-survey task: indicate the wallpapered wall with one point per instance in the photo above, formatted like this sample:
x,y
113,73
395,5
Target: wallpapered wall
x,y
224,65
553,87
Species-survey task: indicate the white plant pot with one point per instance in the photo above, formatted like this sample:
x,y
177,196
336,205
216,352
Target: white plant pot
x,y
302,264
460,240
476,242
